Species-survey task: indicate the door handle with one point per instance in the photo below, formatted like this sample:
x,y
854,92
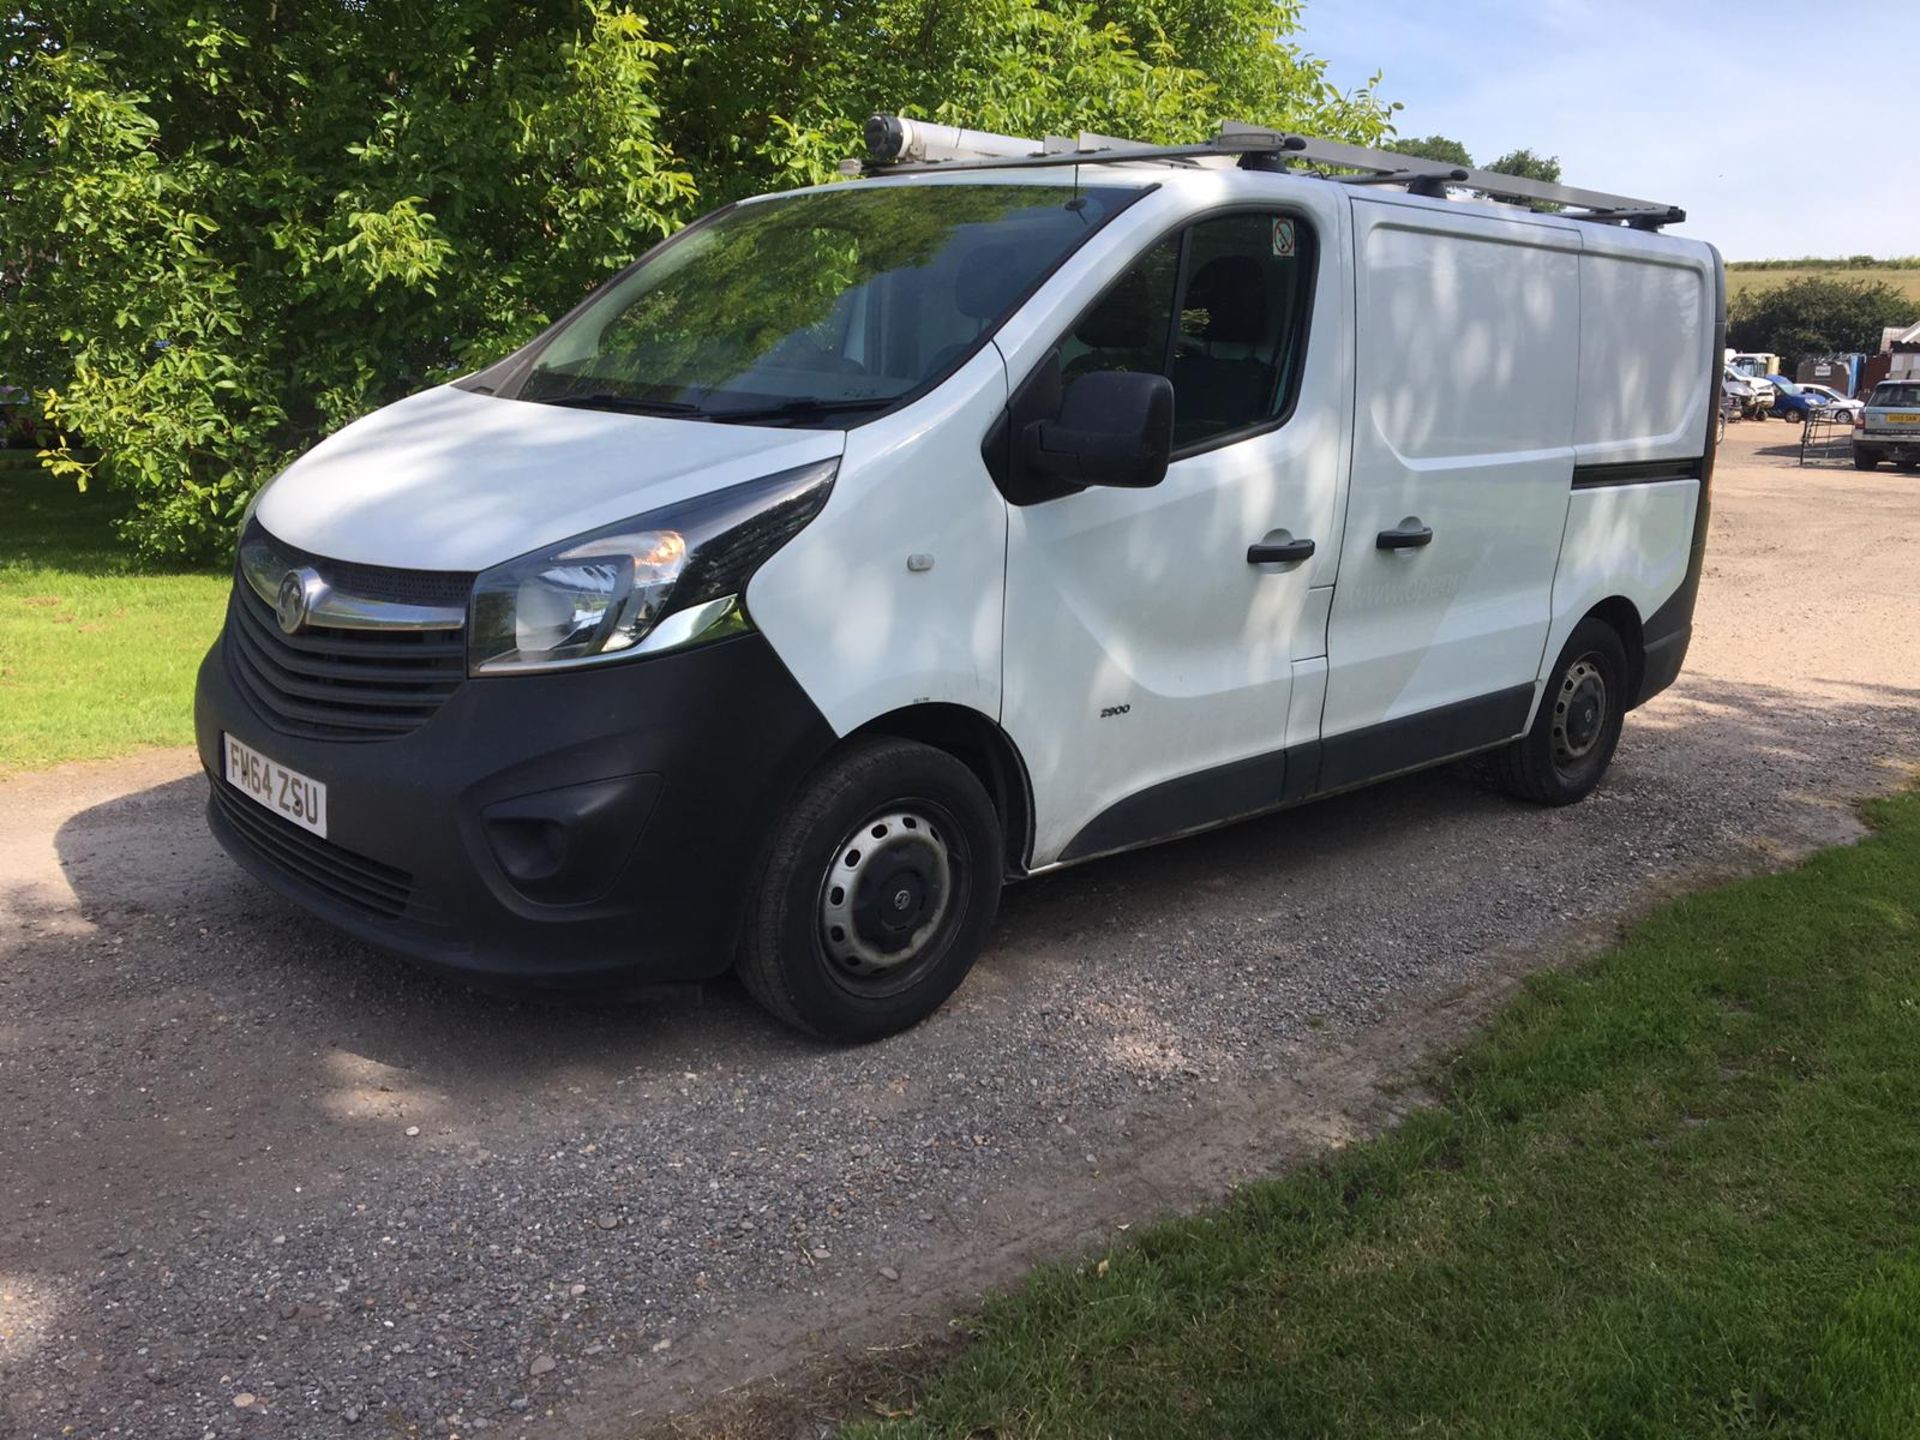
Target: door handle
x,y
1408,535
1281,554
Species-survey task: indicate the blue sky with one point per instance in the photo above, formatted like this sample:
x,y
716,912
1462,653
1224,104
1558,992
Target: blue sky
x,y
1782,130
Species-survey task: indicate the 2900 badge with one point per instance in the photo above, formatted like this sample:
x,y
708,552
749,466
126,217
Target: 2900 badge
x,y
287,793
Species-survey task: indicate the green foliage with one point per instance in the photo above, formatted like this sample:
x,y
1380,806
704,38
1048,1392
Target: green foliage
x,y
1817,315
97,650
1850,262
1435,147
1530,166
227,227
226,233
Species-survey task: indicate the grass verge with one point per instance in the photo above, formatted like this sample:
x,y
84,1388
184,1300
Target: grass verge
x,y
97,655
1673,1193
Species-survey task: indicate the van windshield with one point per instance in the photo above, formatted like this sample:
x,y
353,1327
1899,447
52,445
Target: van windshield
x,y
814,308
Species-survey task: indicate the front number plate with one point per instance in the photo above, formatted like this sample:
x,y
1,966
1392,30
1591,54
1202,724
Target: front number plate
x,y
287,793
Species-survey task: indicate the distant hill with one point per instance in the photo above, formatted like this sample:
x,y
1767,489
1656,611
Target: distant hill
x,y
1901,272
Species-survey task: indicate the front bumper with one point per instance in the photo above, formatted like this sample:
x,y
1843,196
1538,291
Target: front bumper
x,y
553,828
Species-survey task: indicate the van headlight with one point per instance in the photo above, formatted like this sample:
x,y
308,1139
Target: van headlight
x,y
657,582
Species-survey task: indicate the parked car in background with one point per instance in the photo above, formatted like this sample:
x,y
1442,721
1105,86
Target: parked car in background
x,y
1754,365
1753,396
1793,402
1835,401
1739,389
1888,426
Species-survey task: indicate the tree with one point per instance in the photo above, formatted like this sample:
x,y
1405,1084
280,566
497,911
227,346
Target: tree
x,y
1815,316
1529,166
228,230
227,227
1435,147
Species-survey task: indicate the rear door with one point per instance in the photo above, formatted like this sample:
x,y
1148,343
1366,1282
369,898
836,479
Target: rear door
x,y
1466,343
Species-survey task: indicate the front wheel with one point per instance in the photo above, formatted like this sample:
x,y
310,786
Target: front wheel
x,y
875,893
1571,742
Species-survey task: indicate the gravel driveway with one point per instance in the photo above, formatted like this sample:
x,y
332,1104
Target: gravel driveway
x,y
256,1180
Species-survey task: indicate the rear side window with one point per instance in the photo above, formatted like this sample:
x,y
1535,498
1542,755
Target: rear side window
x,y
1220,309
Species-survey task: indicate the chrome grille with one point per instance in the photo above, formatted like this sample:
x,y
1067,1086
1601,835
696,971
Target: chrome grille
x,y
338,683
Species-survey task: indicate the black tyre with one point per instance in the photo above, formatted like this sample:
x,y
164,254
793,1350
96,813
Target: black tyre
x,y
1863,461
1572,741
876,891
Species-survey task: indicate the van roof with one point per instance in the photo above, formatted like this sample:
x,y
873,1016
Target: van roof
x,y
1231,184
902,146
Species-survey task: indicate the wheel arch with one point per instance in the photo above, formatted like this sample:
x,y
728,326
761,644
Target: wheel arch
x,y
1619,614
977,742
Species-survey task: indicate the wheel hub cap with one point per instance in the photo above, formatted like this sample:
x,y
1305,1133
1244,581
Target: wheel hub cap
x,y
886,893
1579,712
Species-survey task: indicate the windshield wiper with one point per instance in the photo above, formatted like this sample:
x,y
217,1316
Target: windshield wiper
x,y
799,409
633,404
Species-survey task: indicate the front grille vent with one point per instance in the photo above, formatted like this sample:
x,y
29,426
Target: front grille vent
x,y
363,884
337,683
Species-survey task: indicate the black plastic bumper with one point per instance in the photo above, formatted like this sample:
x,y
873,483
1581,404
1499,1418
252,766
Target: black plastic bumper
x,y
1665,654
542,828
1897,449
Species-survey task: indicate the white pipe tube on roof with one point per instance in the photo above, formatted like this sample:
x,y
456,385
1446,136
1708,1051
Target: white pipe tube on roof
x,y
893,139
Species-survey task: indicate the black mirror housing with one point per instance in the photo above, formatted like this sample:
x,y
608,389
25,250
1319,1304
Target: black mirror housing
x,y
1115,427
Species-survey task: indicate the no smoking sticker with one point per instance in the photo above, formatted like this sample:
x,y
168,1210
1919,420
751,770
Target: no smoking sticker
x,y
1283,237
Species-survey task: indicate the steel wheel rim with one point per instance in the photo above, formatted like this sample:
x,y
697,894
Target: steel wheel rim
x,y
1579,712
887,897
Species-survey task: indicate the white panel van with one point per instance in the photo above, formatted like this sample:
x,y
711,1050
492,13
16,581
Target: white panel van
x,y
862,548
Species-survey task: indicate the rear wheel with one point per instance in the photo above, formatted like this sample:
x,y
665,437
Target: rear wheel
x,y
1562,757
876,892
1864,461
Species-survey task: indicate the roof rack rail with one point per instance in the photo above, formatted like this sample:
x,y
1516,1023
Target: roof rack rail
x,y
896,145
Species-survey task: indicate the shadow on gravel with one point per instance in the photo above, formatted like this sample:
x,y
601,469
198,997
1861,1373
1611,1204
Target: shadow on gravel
x,y
146,862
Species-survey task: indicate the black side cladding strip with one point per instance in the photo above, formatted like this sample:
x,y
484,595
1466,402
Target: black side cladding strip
x,y
1637,472
1394,747
1241,789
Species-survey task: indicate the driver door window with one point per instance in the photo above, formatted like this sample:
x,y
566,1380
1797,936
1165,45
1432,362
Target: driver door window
x,y
1127,328
1240,286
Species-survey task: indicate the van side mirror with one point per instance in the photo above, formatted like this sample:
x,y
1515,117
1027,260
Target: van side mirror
x,y
1114,428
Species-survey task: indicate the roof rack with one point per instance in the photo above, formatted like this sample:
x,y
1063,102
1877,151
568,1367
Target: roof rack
x,y
896,146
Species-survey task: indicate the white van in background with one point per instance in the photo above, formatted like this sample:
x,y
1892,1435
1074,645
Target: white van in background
x,y
862,547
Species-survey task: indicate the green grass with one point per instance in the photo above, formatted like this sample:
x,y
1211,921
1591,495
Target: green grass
x,y
1905,280
1674,1193
97,656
